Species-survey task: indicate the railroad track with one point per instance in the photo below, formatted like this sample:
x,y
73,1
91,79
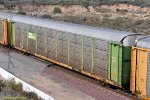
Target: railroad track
x,y
86,84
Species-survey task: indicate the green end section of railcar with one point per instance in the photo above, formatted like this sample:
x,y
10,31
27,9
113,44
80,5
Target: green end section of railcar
x,y
11,33
126,66
119,63
115,62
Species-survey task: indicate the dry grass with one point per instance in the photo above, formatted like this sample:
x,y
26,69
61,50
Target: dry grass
x,y
119,18
119,23
12,89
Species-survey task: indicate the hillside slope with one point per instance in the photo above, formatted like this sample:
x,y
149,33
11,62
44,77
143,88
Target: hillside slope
x,y
116,16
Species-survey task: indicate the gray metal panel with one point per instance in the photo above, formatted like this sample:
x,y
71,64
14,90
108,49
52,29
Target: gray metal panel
x,y
100,44
24,36
101,54
75,51
148,77
5,15
41,44
18,37
106,34
25,41
101,72
87,54
144,43
31,45
62,47
101,58
51,44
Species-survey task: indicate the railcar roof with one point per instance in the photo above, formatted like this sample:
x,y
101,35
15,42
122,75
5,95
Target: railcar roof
x,y
107,34
4,15
144,42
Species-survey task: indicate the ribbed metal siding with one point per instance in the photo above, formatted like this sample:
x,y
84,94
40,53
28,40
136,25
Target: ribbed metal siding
x,y
18,36
75,51
148,76
87,54
21,40
62,50
144,43
51,44
78,51
40,49
1,34
101,58
31,42
24,35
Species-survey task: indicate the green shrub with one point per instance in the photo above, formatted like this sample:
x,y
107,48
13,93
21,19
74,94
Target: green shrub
x,y
121,10
46,16
85,3
2,85
31,95
15,86
57,10
21,13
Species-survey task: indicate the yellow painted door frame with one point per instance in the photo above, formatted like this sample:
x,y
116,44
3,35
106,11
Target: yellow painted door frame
x,y
1,41
138,77
133,70
5,32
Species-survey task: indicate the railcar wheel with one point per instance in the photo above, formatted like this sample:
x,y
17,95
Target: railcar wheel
x,y
9,46
26,53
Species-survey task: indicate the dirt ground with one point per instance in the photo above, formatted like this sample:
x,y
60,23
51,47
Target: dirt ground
x,y
55,81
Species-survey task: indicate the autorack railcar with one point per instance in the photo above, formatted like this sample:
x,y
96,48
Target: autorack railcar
x,y
100,53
